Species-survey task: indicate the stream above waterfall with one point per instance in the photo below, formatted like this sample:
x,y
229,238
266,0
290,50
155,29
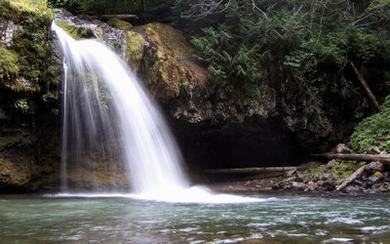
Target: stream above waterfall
x,y
279,218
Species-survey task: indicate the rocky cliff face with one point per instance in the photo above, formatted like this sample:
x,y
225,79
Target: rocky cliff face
x,y
215,128
29,76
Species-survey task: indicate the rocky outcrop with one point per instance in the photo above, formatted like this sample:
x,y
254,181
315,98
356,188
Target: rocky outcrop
x,y
334,176
168,67
16,161
134,50
338,176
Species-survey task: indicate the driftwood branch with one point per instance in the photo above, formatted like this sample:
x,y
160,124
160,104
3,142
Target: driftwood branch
x,y
350,179
249,170
383,158
366,87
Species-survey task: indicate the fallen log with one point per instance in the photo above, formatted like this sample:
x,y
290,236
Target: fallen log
x,y
356,175
249,170
383,158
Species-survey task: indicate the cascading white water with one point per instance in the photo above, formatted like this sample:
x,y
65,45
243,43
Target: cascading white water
x,y
104,105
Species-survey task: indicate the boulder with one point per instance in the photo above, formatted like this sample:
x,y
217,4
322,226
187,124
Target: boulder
x,y
168,67
14,174
134,50
375,166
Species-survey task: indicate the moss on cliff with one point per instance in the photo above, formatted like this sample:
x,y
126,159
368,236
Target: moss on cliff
x,y
134,50
30,74
9,68
120,24
76,32
38,71
168,66
36,7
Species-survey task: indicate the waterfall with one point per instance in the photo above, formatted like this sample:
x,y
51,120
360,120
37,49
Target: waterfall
x,y
103,102
107,111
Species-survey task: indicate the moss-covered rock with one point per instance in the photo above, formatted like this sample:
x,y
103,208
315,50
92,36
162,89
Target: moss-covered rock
x,y
36,7
134,50
168,65
34,67
120,24
9,68
74,31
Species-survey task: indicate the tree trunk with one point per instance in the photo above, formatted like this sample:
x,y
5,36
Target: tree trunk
x,y
249,170
383,158
366,87
353,177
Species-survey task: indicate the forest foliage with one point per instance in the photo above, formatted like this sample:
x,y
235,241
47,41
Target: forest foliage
x,y
302,48
308,39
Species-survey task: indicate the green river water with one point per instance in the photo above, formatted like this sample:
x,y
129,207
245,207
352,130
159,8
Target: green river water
x,y
279,219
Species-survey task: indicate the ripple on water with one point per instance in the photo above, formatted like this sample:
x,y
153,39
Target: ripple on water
x,y
134,221
375,229
339,239
344,220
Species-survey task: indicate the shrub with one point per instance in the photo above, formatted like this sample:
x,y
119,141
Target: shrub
x,y
373,131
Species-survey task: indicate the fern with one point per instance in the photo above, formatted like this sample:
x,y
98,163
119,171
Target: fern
x,y
373,131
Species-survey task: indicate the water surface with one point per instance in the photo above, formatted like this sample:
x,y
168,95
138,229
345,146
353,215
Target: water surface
x,y
277,219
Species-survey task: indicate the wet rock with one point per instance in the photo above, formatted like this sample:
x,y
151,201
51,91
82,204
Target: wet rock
x,y
377,176
385,187
82,28
328,186
134,50
16,161
375,166
375,150
331,163
14,175
7,30
298,185
342,148
120,24
353,188
311,186
96,174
